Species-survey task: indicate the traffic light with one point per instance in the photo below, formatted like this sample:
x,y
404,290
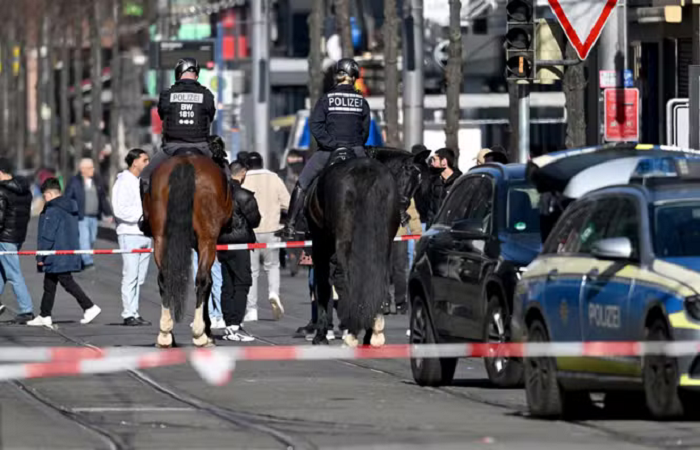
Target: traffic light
x,y
520,40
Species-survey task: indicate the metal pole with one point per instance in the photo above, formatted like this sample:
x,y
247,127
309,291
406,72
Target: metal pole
x,y
261,77
413,69
523,123
612,53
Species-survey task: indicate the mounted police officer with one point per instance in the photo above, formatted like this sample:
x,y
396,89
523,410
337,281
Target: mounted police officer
x,y
340,119
187,110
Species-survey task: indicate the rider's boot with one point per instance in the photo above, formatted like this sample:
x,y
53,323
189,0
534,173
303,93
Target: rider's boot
x,y
144,226
295,206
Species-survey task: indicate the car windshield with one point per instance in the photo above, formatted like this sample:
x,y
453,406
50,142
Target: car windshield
x,y
684,219
523,209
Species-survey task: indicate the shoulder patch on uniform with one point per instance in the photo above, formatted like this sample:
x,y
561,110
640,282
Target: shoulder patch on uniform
x,y
186,97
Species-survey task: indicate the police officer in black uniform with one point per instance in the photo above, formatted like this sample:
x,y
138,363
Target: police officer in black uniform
x,y
341,118
187,110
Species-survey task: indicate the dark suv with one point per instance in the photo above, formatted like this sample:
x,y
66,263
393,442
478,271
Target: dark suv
x,y
467,266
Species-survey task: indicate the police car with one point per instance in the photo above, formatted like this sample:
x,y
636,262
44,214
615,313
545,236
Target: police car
x,y
621,264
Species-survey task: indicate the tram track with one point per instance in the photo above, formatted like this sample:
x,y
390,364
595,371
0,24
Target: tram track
x,y
240,420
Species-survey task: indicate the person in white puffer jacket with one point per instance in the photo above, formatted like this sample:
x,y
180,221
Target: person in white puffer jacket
x,y
126,203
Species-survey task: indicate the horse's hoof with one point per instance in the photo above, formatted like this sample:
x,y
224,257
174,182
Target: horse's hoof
x,y
201,341
377,340
350,341
164,340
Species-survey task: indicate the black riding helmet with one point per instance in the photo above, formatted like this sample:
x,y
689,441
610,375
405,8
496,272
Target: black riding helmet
x,y
349,67
186,65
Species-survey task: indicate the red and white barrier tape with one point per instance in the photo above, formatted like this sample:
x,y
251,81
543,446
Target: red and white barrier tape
x,y
229,247
215,365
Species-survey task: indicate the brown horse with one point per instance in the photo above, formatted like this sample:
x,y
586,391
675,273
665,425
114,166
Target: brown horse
x,y
188,205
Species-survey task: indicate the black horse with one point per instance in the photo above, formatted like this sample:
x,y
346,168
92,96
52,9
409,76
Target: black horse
x,y
353,213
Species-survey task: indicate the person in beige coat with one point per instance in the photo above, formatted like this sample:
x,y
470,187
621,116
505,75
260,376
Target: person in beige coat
x,y
399,267
273,198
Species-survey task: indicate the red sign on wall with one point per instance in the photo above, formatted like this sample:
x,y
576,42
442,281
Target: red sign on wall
x,y
621,115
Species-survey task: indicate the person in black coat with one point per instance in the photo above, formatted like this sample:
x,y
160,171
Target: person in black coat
x,y
15,211
235,265
58,230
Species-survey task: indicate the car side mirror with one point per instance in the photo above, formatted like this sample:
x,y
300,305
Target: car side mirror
x,y
469,228
619,248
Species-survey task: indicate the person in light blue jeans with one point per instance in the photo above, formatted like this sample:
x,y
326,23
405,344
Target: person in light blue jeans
x,y
128,210
15,212
215,315
11,272
90,194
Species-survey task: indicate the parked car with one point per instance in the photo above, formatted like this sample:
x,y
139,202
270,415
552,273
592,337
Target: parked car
x,y
467,266
622,264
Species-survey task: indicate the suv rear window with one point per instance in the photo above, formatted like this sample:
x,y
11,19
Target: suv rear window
x,y
523,214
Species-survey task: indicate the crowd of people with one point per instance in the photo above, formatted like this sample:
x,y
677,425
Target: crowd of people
x,y
70,217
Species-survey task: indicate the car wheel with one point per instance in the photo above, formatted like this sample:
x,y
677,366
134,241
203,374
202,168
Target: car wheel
x,y
502,371
428,371
660,377
545,397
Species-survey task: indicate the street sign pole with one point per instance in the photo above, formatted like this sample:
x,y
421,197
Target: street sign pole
x,y
261,79
612,56
694,80
523,122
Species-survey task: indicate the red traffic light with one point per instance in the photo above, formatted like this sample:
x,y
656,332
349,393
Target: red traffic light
x,y
519,11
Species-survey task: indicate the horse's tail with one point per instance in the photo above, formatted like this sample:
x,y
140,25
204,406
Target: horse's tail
x,y
177,254
369,256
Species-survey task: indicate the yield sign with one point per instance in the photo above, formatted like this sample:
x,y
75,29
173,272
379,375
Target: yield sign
x,y
582,21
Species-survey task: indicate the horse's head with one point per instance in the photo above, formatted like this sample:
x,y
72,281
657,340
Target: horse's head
x,y
407,169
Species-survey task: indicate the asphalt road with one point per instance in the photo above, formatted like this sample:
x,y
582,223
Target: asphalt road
x,y
329,404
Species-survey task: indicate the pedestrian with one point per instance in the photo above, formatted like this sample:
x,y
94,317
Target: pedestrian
x,y
127,212
235,265
58,230
400,265
15,211
443,165
272,197
91,197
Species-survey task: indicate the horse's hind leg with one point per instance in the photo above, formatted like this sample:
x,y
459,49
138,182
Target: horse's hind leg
x,y
323,288
165,336
203,285
377,338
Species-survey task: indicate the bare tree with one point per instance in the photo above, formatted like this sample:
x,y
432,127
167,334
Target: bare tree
x,y
78,102
315,59
342,15
42,78
454,78
7,43
95,21
391,72
574,86
115,116
64,80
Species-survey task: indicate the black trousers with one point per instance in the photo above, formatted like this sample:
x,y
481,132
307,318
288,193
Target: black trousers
x,y
51,281
237,279
399,271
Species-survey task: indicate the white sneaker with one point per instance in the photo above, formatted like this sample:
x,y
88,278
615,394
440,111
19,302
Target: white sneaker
x,y
330,335
277,308
238,334
218,324
39,321
251,315
90,314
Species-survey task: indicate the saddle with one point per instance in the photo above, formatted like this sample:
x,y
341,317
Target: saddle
x,y
311,202
339,155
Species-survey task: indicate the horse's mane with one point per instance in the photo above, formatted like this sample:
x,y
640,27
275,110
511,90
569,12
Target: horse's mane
x,y
394,158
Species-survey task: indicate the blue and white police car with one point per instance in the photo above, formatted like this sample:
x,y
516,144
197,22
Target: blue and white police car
x,y
621,264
